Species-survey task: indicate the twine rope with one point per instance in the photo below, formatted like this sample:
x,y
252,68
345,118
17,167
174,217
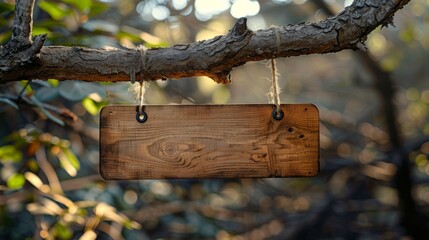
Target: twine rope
x,y
275,89
274,93
143,85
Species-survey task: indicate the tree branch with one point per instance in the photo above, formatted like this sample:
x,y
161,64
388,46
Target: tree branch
x,y
22,23
215,57
20,50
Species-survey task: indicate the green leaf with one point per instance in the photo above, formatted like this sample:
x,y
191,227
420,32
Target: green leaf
x,y
49,24
82,5
10,153
130,224
72,158
16,181
28,88
6,7
53,82
133,37
69,162
76,91
4,37
9,102
47,93
46,112
97,8
40,30
56,10
32,165
90,106
39,83
63,231
156,45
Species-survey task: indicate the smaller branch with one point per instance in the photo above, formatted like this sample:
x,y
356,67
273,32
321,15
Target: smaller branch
x,y
67,185
13,55
24,101
21,50
23,89
49,171
70,119
22,24
63,112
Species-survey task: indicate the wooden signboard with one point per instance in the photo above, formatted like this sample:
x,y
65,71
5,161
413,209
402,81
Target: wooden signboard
x,y
209,141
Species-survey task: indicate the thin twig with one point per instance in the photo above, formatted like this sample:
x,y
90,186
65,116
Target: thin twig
x,y
49,171
23,90
22,23
67,185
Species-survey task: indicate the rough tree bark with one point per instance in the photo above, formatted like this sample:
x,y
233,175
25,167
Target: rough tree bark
x,y
214,58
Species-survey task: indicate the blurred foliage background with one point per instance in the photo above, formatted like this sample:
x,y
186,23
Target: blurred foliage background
x,y
374,159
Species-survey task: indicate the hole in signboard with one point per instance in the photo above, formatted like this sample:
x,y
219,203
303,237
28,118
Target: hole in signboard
x,y
141,117
278,115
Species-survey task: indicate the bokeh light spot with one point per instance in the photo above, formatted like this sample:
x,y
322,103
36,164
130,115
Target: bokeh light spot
x,y
130,197
244,8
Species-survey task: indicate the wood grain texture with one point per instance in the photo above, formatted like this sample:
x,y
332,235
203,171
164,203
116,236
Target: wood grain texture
x,y
209,141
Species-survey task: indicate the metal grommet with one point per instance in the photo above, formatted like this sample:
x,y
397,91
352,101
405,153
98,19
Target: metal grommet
x,y
278,115
141,118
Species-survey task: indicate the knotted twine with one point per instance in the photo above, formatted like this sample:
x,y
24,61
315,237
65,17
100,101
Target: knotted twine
x,y
140,89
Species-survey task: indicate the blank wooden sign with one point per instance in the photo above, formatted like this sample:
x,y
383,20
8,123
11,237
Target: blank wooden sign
x,y
209,141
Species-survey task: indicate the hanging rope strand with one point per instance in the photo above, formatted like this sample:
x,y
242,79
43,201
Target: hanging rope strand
x,y
142,49
140,89
275,89
140,99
